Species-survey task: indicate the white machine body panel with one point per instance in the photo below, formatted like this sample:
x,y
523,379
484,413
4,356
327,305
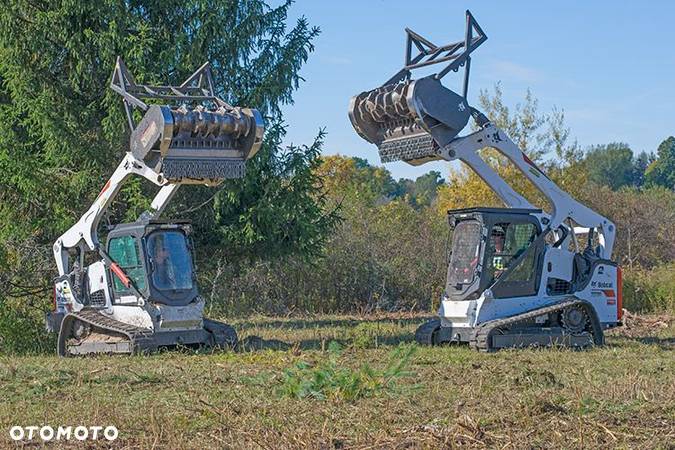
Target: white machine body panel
x,y
459,313
497,308
560,262
64,298
132,315
97,276
188,317
603,292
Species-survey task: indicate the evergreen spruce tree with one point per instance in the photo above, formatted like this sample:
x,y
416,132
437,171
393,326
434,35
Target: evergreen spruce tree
x,y
62,130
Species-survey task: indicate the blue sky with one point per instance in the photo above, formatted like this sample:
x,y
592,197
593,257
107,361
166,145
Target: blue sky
x,y
609,65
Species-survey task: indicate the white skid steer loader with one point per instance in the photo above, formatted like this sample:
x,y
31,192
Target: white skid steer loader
x,y
517,276
140,294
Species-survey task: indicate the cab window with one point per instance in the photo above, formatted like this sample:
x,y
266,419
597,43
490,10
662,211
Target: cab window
x,y
171,261
507,241
465,253
124,251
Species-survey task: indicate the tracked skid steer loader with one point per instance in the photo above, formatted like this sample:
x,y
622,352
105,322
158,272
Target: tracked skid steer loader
x,y
138,291
517,276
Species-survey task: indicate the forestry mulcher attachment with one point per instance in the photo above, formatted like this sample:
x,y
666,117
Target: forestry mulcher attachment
x,y
140,291
517,276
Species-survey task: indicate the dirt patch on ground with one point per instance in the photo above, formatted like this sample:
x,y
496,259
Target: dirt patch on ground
x,y
642,326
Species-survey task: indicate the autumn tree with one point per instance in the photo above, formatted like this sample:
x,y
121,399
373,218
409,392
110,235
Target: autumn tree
x,y
661,172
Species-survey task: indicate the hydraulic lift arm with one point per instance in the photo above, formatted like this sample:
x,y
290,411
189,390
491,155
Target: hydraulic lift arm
x,y
418,120
201,139
83,234
563,206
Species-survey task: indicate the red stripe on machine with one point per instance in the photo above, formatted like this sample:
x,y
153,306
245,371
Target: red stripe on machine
x,y
105,188
619,297
119,273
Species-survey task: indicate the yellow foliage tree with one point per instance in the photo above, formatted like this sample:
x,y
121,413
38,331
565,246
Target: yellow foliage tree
x,y
353,179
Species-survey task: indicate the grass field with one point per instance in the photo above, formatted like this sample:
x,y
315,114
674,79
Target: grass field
x,y
620,396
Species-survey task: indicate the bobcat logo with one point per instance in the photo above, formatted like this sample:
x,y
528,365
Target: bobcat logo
x,y
461,106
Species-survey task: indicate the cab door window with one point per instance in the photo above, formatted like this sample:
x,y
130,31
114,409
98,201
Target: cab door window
x,y
170,261
507,242
466,241
124,251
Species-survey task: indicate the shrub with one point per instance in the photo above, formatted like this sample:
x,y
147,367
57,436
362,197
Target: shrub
x,y
328,380
650,290
388,257
644,221
22,330
364,335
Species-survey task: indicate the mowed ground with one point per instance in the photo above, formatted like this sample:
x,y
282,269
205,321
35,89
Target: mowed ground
x,y
619,396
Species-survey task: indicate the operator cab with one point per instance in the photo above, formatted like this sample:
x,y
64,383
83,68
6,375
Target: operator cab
x,y
158,258
486,242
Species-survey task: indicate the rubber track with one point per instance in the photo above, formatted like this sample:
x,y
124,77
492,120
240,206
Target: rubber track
x,y
481,338
136,335
424,335
224,335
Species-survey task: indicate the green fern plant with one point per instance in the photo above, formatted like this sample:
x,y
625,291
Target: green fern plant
x,y
327,379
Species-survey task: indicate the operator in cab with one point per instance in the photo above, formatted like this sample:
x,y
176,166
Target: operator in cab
x,y
497,239
164,272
